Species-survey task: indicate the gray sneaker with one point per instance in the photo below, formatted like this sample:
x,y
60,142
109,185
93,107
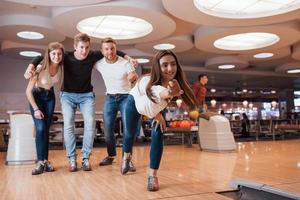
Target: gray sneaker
x,y
131,167
72,165
86,166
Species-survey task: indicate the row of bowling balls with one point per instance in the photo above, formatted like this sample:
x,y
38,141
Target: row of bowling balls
x,y
181,124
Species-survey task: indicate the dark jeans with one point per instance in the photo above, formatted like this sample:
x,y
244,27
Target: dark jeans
x,y
131,124
45,100
112,104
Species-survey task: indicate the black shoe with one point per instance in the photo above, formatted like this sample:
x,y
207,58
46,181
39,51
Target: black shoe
x,y
127,165
86,166
39,168
107,161
48,167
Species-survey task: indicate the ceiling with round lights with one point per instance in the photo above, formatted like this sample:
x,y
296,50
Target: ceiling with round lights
x,y
118,27
150,21
246,41
226,62
251,38
237,9
292,68
225,12
177,44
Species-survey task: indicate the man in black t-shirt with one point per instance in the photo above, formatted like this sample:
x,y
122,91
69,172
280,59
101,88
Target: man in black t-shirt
x,y
77,91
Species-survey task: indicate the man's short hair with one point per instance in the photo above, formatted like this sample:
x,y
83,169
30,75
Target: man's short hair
x,y
81,37
108,40
201,75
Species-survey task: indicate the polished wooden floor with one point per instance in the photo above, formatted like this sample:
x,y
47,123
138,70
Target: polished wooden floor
x,y
185,173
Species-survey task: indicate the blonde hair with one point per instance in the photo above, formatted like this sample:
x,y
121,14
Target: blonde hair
x,y
108,40
81,37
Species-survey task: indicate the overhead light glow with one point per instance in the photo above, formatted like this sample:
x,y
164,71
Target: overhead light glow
x,y
246,41
296,92
213,90
118,27
142,60
164,46
263,55
293,71
30,53
237,9
30,35
226,66
213,102
273,91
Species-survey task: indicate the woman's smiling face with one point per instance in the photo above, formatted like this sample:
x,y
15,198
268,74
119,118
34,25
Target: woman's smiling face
x,y
168,67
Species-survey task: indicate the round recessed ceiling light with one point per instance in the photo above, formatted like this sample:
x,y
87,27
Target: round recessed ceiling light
x,y
30,53
213,90
164,46
237,9
142,60
246,41
226,66
263,55
273,91
293,71
30,35
118,27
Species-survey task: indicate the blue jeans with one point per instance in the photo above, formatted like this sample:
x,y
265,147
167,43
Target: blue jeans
x,y
86,104
112,104
45,100
131,126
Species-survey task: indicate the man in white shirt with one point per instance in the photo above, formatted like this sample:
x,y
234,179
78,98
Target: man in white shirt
x,y
118,75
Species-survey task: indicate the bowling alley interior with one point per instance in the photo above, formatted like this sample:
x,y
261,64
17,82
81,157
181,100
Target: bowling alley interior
x,y
240,139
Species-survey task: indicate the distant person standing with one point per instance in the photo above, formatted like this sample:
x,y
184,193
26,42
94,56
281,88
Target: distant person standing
x,y
245,126
200,91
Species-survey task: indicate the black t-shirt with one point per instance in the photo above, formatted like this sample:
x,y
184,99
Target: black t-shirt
x,y
77,73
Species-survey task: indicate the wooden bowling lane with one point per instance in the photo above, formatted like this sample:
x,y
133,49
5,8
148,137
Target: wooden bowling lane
x,y
185,173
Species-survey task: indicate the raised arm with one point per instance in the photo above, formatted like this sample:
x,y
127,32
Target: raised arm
x,y
172,90
132,77
32,66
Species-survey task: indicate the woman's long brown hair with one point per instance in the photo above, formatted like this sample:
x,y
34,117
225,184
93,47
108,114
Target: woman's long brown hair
x,y
46,62
156,79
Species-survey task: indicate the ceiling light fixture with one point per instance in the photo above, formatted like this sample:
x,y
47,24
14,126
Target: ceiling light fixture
x,y
30,35
213,90
293,71
142,60
237,9
29,53
246,41
263,55
164,46
226,66
118,27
